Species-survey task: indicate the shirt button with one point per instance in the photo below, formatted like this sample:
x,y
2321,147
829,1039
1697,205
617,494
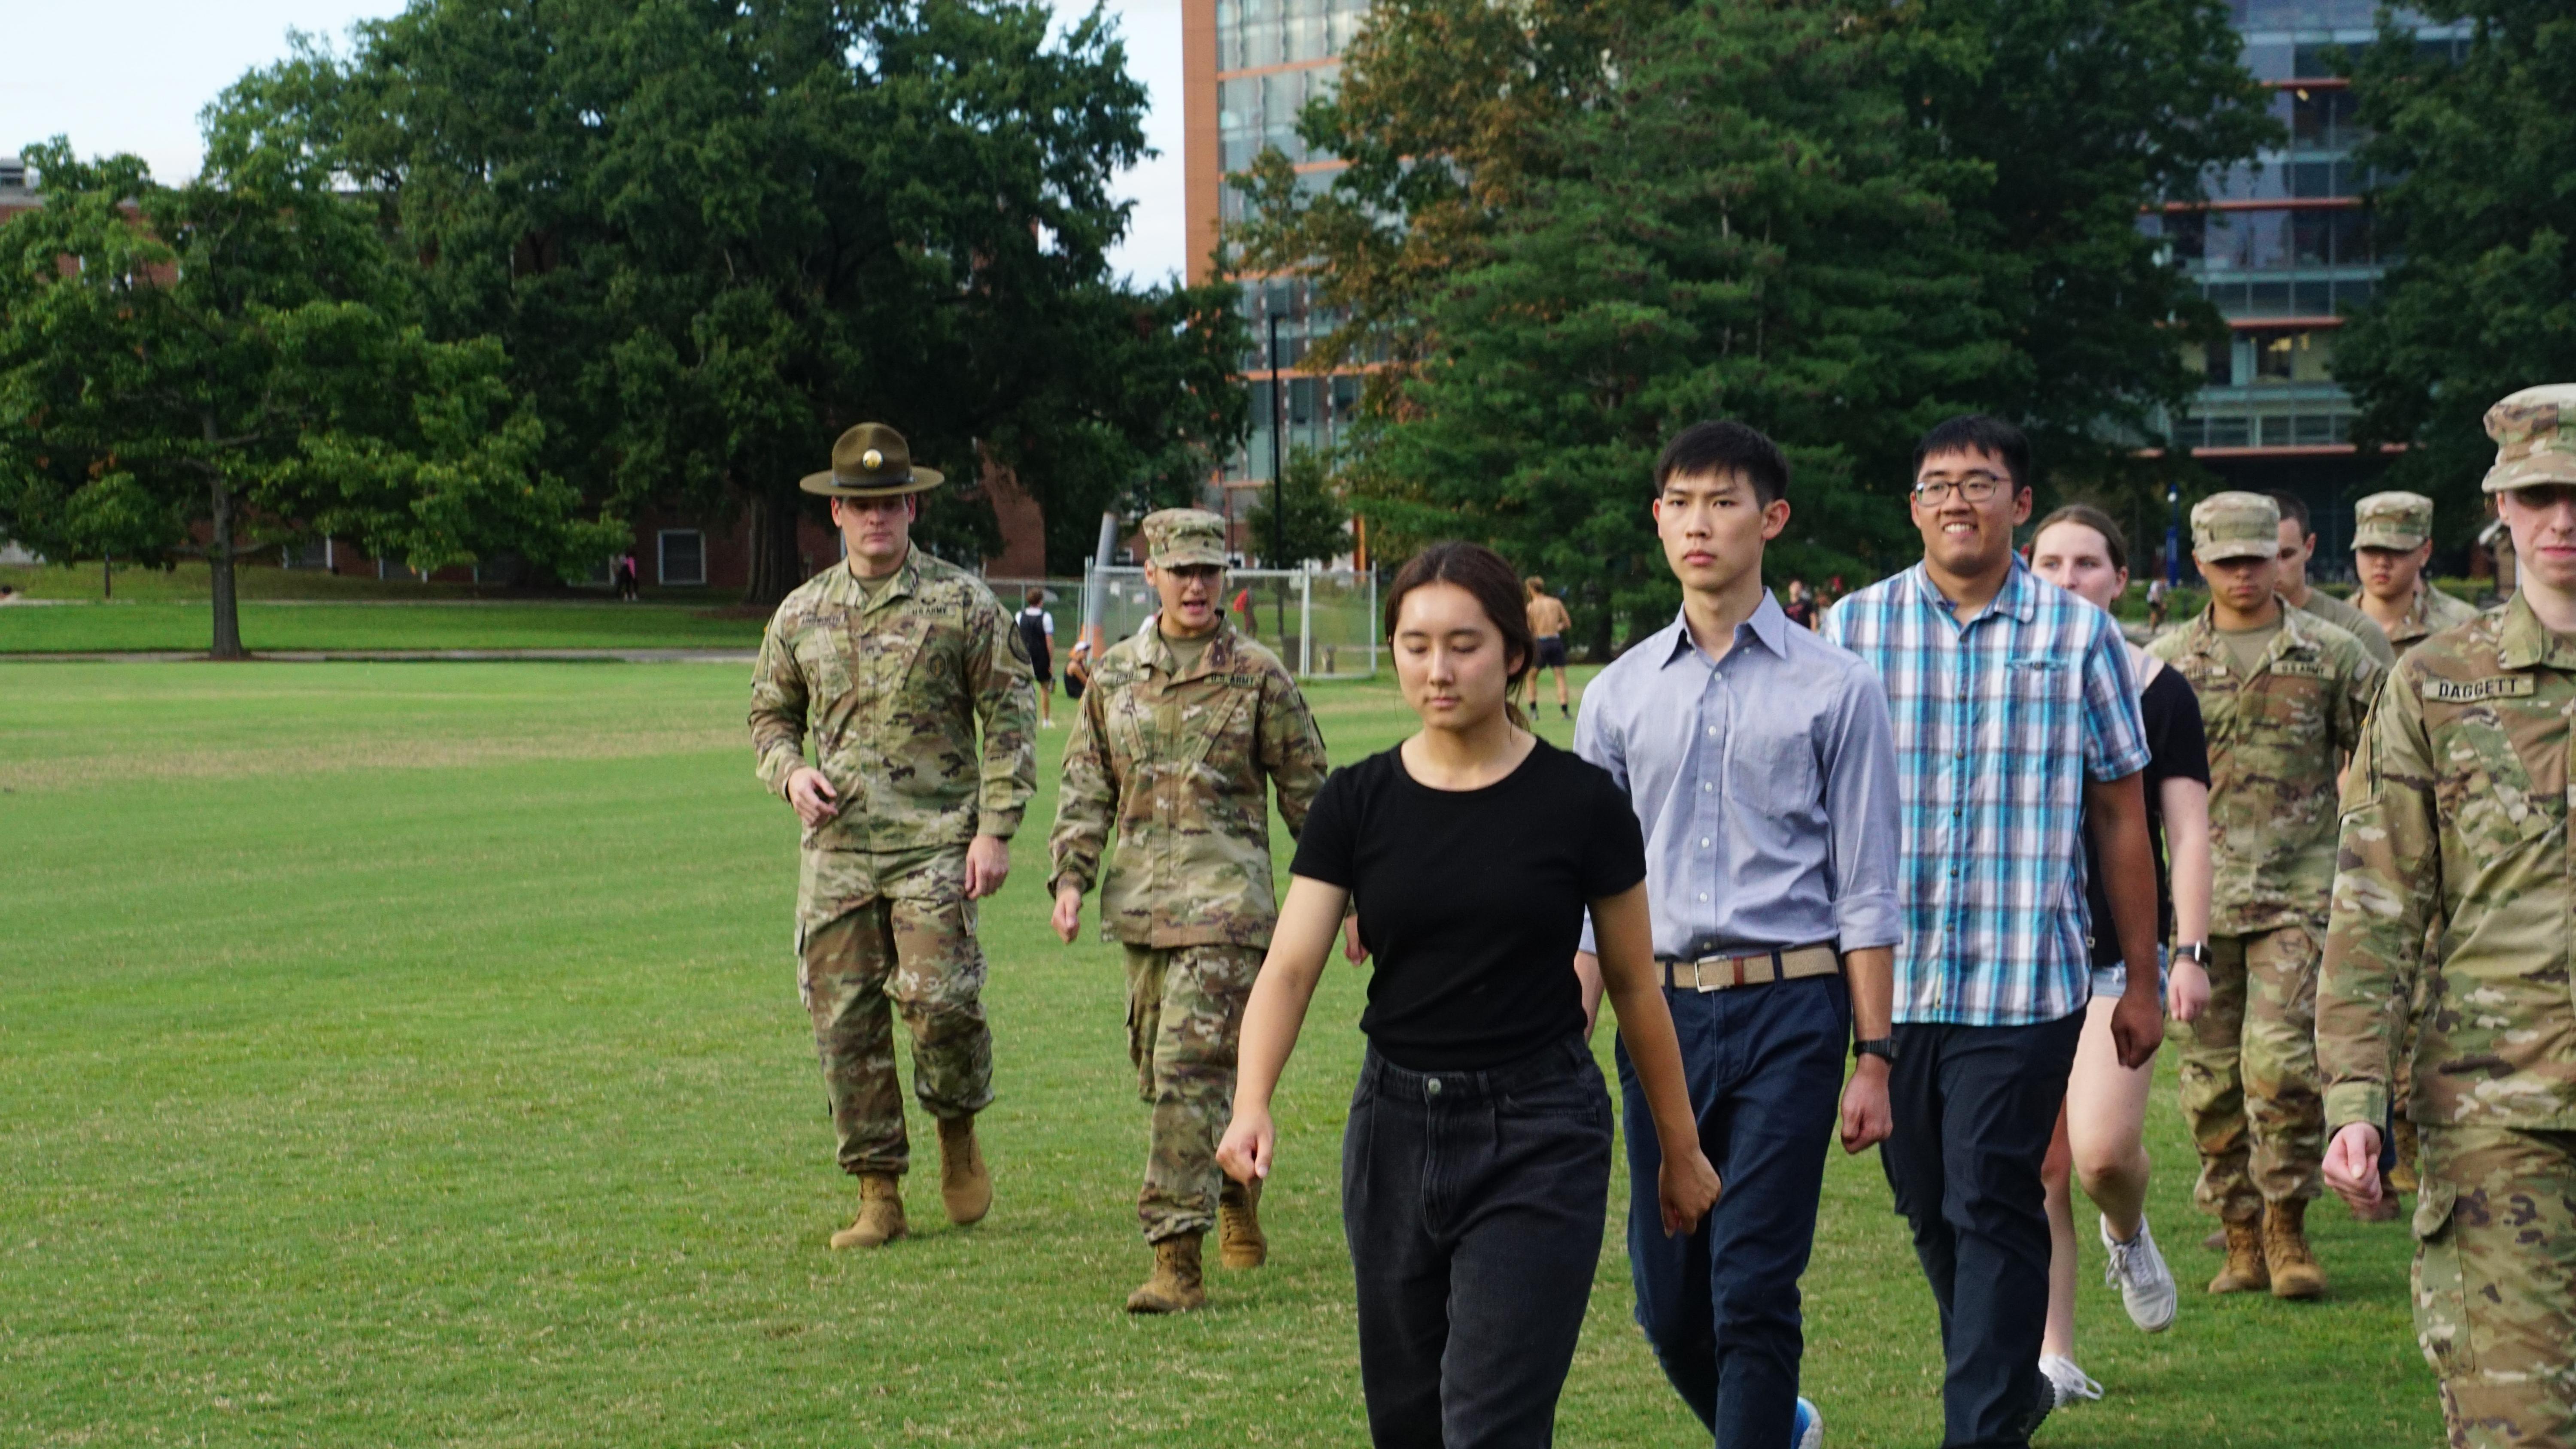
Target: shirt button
x,y
1706,785
1703,842
1712,730
1703,895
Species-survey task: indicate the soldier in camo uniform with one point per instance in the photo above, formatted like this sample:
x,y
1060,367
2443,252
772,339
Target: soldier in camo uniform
x,y
2392,540
2284,694
2457,810
1179,731
894,662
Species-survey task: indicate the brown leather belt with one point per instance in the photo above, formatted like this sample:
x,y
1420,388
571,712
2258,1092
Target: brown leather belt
x,y
1760,968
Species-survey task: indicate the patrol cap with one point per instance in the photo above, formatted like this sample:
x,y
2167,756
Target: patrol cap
x,y
1179,538
871,461
2236,525
2535,435
2400,521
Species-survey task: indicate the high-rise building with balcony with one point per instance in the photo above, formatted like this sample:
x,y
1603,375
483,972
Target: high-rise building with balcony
x,y
2284,248
1249,68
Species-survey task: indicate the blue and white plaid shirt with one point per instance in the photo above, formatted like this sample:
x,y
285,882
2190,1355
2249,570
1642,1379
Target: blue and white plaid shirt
x,y
1998,724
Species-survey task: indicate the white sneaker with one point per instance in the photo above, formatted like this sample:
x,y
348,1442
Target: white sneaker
x,y
2067,1381
1807,1430
2146,1285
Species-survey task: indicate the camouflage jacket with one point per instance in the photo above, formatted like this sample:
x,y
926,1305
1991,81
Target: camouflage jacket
x,y
1178,764
2276,740
2457,810
894,695
2432,612
2347,616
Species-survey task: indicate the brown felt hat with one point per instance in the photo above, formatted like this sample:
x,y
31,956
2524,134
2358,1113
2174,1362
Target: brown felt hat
x,y
871,461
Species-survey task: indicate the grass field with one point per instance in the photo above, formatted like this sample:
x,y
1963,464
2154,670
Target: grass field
x,y
409,1055
166,626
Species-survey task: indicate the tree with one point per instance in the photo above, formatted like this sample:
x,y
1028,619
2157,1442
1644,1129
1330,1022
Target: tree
x,y
1316,516
714,235
2484,302
240,354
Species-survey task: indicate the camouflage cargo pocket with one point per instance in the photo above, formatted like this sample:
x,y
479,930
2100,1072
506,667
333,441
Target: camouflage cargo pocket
x,y
2441,1289
2487,792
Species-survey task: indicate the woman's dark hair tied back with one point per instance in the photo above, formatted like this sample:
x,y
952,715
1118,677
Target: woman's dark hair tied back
x,y
1494,583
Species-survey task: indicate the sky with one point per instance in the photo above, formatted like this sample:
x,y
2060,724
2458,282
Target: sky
x,y
131,75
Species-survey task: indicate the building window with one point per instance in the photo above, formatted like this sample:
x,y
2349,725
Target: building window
x,y
684,556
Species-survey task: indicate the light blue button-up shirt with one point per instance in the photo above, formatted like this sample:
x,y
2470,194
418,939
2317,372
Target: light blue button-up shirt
x,y
1766,784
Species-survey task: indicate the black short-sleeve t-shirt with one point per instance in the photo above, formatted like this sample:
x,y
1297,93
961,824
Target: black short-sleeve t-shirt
x,y
2177,749
1471,901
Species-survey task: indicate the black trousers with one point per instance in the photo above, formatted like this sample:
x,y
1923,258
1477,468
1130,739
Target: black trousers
x,y
1474,1203
1974,1108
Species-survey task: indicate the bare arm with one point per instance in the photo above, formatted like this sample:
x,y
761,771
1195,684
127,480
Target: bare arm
x,y
1688,1184
2118,811
1308,921
2186,814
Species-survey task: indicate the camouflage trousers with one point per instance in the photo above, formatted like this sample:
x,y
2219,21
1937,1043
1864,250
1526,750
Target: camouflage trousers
x,y
2249,1074
2495,1284
1184,1015
876,935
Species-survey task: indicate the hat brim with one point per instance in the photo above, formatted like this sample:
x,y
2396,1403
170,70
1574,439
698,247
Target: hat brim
x,y
833,485
2394,542
1188,558
2546,471
2228,552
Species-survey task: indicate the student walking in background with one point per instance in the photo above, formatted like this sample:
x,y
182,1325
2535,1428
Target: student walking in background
x,y
1476,1159
2101,1131
1759,761
2295,548
1037,636
2016,719
1549,623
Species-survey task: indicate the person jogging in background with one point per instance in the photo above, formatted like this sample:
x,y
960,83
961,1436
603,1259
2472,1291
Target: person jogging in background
x,y
1037,636
2017,723
1548,623
2101,1131
2159,601
1760,764
1476,1159
2297,547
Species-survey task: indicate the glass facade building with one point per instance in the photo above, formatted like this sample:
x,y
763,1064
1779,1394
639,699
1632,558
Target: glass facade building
x,y
2284,248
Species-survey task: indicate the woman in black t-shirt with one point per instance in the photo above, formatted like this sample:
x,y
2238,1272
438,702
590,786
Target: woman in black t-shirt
x,y
1476,1162
2101,1127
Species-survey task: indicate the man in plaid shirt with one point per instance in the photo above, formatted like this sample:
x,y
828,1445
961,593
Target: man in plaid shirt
x,y
2015,714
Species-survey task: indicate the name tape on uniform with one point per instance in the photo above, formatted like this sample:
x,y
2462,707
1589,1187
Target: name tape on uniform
x,y
2470,691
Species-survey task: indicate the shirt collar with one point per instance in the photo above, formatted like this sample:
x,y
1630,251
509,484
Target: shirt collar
x,y
2017,599
1218,655
1768,623
905,578
2523,641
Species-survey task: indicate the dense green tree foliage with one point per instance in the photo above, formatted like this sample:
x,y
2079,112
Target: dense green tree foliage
x,y
1572,229
1311,523
2484,301
243,354
714,233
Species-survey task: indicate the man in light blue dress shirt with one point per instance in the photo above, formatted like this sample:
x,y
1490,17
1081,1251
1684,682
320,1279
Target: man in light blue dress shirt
x,y
1763,770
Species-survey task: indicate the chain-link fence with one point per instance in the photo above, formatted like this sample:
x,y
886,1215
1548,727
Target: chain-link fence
x,y
1322,624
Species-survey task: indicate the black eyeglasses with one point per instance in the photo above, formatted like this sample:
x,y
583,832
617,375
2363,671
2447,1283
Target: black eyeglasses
x,y
1975,487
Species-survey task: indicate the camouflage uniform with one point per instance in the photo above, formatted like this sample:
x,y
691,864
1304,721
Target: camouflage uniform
x,y
2347,616
2457,809
1178,760
894,680
2276,738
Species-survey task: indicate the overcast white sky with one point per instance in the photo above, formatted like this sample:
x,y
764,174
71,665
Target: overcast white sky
x,y
131,75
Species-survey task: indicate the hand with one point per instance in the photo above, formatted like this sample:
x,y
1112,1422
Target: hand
x,y
1867,1119
1244,1151
813,796
2186,991
1351,947
2352,1164
988,864
1068,912
1689,1188
2138,1024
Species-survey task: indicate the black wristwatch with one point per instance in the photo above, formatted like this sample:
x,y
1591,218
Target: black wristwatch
x,y
2197,953
1881,1047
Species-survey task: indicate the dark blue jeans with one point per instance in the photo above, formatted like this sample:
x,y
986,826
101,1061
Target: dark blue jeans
x,y
1720,1306
1474,1203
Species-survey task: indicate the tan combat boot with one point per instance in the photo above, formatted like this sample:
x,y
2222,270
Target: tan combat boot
x,y
2402,1178
1175,1286
1239,1240
965,1188
2294,1269
880,1213
2245,1272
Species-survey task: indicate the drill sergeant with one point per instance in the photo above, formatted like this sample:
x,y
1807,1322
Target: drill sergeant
x,y
894,662
1182,731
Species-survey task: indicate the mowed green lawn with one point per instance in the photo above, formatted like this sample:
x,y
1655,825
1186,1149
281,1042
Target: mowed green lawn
x,y
409,1055
173,626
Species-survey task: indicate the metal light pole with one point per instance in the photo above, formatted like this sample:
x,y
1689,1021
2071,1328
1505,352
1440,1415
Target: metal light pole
x,y
1278,474
2173,536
